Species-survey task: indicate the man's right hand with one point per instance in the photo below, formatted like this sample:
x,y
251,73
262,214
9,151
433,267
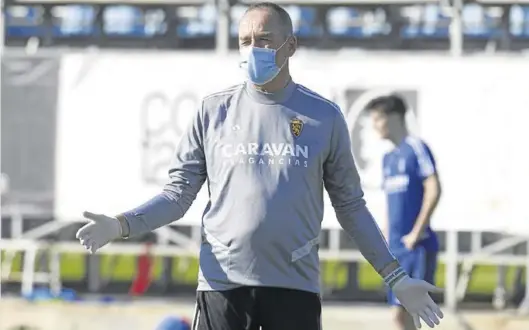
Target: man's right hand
x,y
100,230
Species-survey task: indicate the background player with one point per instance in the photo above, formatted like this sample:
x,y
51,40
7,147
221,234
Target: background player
x,y
413,190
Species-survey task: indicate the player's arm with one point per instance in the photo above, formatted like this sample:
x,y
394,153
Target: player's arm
x,y
187,174
342,182
385,220
432,190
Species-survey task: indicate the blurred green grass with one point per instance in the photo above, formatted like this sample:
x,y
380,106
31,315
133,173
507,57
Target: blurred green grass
x,y
185,270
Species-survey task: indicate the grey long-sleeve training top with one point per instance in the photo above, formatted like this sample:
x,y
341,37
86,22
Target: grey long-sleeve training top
x,y
266,159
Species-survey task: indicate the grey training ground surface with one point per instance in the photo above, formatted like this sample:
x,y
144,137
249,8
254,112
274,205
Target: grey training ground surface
x,y
145,315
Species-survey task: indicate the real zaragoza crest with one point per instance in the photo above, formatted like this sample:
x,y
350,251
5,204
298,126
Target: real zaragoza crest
x,y
296,126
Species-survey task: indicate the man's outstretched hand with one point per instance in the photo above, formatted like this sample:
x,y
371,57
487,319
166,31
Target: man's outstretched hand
x,y
414,295
98,232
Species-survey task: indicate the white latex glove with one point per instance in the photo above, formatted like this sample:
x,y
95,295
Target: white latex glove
x,y
98,232
414,295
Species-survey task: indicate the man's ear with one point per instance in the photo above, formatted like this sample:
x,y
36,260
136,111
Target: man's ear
x,y
292,45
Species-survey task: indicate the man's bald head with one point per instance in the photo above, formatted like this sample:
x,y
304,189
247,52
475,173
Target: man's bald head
x,y
267,25
281,15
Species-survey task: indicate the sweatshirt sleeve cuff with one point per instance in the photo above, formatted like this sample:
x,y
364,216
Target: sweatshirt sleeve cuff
x,y
125,225
395,276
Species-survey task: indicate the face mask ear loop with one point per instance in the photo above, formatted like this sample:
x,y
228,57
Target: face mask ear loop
x,y
244,55
284,43
286,59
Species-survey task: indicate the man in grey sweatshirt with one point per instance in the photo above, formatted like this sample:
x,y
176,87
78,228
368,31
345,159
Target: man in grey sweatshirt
x,y
266,148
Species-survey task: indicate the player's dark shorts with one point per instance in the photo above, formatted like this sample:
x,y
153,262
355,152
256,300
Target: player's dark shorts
x,y
254,308
420,264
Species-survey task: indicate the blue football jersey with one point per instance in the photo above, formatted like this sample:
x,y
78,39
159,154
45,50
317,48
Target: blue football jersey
x,y
405,169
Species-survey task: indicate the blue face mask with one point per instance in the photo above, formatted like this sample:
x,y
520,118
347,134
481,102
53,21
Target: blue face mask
x,y
260,64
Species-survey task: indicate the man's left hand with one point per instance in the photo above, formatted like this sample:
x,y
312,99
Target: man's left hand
x,y
414,296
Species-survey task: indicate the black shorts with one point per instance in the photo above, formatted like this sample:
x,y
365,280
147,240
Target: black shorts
x,y
254,308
